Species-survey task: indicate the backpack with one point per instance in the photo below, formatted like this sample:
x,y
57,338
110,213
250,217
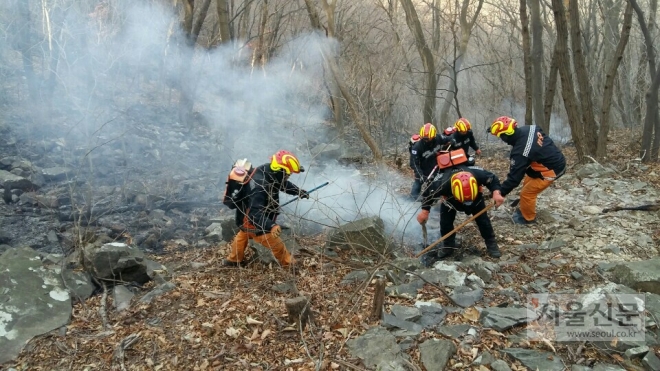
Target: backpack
x,y
237,190
449,159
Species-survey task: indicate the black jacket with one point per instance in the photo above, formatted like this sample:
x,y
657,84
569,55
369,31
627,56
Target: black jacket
x,y
534,154
465,141
264,202
441,187
424,153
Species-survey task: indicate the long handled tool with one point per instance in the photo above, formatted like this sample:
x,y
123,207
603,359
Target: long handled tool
x,y
310,191
454,230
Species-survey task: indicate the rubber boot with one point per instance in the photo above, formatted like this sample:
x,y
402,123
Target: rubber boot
x,y
448,249
492,249
519,219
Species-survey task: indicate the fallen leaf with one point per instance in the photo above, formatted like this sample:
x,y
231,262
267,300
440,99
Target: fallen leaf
x,y
471,314
232,332
255,334
204,365
334,366
252,321
292,361
265,333
475,351
617,357
614,342
343,331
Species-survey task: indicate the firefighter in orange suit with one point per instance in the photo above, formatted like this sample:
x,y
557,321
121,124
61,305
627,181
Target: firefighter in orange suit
x,y
535,160
257,220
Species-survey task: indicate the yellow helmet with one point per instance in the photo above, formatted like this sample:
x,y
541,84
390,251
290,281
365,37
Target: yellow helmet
x,y
503,125
464,187
287,161
428,131
463,125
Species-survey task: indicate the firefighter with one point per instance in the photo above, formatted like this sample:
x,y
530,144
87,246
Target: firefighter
x,y
463,137
417,183
425,150
460,190
257,220
535,160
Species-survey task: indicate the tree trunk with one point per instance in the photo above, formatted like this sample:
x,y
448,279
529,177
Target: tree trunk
x,y
567,88
223,20
379,299
537,64
589,121
608,89
353,110
651,123
430,78
335,93
466,31
527,61
550,90
298,310
26,49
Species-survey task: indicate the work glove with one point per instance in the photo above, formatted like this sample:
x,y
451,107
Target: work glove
x,y
478,152
423,217
276,230
304,194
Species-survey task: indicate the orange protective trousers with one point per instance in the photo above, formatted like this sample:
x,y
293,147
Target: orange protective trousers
x,y
275,244
530,190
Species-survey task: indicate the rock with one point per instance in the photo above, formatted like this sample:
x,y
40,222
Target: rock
x,y
8,179
214,233
651,362
502,319
453,331
535,359
34,300
229,229
485,358
484,269
378,349
116,261
465,297
432,313
78,283
122,297
355,276
593,171
640,275
592,210
580,368
446,277
607,367
435,353
407,290
406,313
401,326
284,288
576,275
638,352
56,174
362,234
614,249
500,365
157,291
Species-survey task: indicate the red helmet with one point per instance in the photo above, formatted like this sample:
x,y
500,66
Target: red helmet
x,y
287,161
428,131
503,125
463,125
449,131
464,187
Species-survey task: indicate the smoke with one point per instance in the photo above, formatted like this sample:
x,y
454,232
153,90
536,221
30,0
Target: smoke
x,y
123,70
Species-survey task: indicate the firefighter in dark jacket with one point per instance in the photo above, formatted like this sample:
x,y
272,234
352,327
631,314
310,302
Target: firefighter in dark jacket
x,y
424,152
460,190
257,221
463,137
417,183
535,160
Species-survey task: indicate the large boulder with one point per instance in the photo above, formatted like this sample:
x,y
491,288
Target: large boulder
x,y
640,275
116,262
362,234
34,300
12,181
378,349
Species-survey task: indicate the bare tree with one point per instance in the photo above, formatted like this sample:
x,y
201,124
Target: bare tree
x,y
430,78
608,89
537,64
651,121
466,31
527,61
